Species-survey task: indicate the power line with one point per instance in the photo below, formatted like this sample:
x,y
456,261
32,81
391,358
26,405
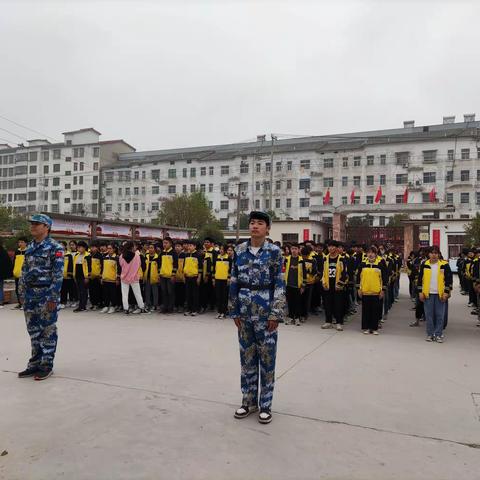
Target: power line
x,y
13,133
26,128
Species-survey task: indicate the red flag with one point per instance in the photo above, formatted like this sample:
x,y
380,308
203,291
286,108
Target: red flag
x,y
378,196
326,198
432,195
405,196
352,197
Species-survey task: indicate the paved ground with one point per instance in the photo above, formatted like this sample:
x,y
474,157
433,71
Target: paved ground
x,y
149,397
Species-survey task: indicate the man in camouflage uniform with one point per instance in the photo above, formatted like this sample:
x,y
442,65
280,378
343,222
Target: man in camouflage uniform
x,y
39,289
257,305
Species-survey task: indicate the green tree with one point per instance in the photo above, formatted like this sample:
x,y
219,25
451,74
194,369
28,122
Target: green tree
x,y
213,231
472,231
244,221
396,220
14,224
186,211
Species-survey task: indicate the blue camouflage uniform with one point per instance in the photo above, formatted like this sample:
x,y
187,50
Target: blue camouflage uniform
x,y
257,295
41,282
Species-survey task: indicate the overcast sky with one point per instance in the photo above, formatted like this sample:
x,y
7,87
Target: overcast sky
x,y
183,73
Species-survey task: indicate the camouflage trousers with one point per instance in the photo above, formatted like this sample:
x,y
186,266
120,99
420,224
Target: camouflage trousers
x,y
258,351
42,328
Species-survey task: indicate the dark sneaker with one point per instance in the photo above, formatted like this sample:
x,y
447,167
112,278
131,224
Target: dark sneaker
x,y
29,372
43,374
79,310
265,416
244,411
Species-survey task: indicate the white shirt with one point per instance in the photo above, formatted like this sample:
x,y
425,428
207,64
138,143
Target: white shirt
x,y
434,278
254,250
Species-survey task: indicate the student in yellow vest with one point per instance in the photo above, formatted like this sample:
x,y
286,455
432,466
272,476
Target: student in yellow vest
x,y
295,279
334,280
180,249
150,278
94,284
372,280
110,280
222,269
168,270
435,285
310,264
192,269
207,291
18,264
67,264
82,269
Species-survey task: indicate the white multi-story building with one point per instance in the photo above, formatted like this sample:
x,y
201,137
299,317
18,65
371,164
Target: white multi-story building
x,y
57,177
293,180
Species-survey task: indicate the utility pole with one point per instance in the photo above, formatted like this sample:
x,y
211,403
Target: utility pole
x,y
271,172
100,192
238,211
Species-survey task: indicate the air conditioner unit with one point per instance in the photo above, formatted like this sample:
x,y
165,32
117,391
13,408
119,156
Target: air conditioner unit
x,y
410,184
418,183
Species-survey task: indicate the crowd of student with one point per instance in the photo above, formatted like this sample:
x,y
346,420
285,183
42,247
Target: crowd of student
x,y
193,277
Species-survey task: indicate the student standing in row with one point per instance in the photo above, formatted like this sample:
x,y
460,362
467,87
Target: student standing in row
x,y
94,284
222,269
295,278
18,264
192,269
130,268
168,269
82,268
110,280
151,278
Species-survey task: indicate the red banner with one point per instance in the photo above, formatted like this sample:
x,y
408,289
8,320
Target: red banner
x,y
436,237
306,234
68,227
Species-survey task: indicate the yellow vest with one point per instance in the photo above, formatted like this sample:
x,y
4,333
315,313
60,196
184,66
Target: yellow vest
x,y
166,269
221,267
371,278
84,264
299,270
96,267
338,272
152,265
179,276
110,269
190,265
427,276
17,266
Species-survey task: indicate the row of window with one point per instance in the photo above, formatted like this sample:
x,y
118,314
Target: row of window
x,y
32,169
78,152
449,199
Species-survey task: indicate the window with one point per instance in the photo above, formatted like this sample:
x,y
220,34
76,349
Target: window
x,y
401,178
370,180
94,194
357,161
429,156
465,175
172,189
465,153
429,177
345,162
383,179
56,167
369,199
155,190
477,198
398,198
356,181
289,184
478,175
224,170
244,204
33,169
210,170
135,207
478,152
78,152
449,176
450,155
184,173
127,191
193,188
193,172
210,204
244,168
56,182
356,200
328,163
223,204
305,164
289,166
344,200
210,188
278,184
382,199
449,198
328,181
108,207
56,154
184,189
257,204
32,183
257,186
96,152
203,171
304,184
172,173
224,187
33,156
127,207
465,197
108,192
304,202
278,167
45,155
136,173
75,167
244,186
267,204
426,198
402,158
155,174
203,188
277,203
289,203
268,167
258,167
344,181
370,160
383,159
109,176
381,221
136,191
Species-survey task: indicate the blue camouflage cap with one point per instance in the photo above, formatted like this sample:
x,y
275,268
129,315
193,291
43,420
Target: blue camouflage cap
x,y
41,218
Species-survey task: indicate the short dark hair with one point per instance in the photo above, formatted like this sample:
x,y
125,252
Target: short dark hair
x,y
83,244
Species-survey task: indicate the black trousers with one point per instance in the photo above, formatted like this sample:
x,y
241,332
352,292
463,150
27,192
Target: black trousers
x,y
307,299
69,291
294,302
334,304
472,295
95,292
207,292
179,294
371,312
109,291
168,294
82,289
192,294
221,295
317,296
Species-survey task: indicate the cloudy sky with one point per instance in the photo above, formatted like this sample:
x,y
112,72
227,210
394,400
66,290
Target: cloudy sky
x,y
182,73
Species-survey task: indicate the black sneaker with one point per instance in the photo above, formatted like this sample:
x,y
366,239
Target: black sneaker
x,y
126,312
265,416
79,310
244,411
43,374
29,372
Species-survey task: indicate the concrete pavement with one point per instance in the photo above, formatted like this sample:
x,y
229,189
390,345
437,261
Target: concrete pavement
x,y
152,397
